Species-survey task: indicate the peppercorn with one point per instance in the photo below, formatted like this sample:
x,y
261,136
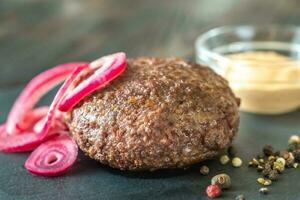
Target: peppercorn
x,y
296,154
222,180
268,165
273,175
255,162
266,172
295,165
224,159
240,197
294,139
261,180
284,154
290,160
250,164
237,162
204,170
232,151
271,158
264,190
279,164
261,161
213,191
260,168
264,182
268,150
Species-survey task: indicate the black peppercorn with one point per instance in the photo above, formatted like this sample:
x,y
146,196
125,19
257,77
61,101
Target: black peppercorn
x,y
273,175
232,152
268,150
296,154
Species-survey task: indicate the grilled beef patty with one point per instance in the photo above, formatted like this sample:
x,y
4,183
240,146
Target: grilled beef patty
x,y
160,113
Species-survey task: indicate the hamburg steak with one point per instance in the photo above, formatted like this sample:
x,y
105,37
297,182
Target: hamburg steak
x,y
160,113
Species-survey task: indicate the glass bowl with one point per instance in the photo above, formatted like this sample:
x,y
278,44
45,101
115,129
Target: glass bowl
x,y
261,64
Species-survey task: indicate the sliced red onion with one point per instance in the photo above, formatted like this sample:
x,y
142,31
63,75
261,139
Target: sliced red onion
x,y
56,155
33,91
109,66
53,157
58,123
29,140
32,117
18,143
57,100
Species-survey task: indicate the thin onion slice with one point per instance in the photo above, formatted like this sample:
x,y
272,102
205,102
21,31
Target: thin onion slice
x,y
33,91
57,123
110,67
53,157
57,100
33,117
17,143
29,140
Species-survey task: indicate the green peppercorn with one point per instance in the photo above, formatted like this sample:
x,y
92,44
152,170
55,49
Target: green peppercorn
x,y
222,180
264,190
261,181
224,159
264,182
204,170
240,197
279,164
261,161
271,158
237,162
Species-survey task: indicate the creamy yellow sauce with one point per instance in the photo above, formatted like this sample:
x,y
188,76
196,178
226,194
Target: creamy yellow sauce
x,y
267,82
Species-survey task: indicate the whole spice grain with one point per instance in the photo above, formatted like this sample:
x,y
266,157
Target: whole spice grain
x,y
294,140
279,164
272,163
273,175
264,190
224,159
260,168
268,150
240,197
263,181
213,191
222,180
271,158
237,162
232,151
296,165
253,163
296,154
290,160
204,170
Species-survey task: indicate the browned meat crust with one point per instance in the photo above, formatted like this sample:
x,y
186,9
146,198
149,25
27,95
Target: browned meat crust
x,y
160,113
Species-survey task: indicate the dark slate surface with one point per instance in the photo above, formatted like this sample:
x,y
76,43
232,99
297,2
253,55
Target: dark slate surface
x,y
35,35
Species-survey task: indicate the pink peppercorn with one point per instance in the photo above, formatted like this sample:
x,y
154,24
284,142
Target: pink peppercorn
x,y
213,191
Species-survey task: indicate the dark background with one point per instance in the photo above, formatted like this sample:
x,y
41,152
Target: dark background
x,y
36,34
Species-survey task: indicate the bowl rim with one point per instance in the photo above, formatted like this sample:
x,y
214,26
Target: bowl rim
x,y
202,38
